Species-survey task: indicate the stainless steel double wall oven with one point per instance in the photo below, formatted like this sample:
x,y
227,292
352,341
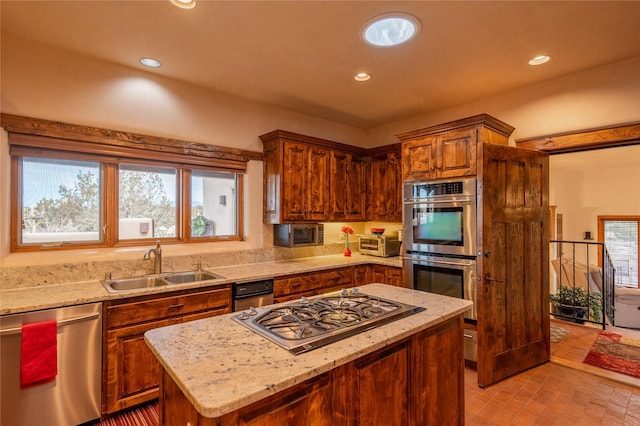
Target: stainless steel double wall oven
x,y
439,227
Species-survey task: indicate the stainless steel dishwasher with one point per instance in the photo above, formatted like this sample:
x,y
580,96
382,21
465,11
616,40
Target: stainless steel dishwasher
x,y
74,396
252,294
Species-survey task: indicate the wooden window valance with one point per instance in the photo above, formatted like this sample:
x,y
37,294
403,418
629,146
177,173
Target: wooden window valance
x,y
36,134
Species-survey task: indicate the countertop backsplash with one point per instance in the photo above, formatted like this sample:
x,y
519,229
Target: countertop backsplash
x,y
17,277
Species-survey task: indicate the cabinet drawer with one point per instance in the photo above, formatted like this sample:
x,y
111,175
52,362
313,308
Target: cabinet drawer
x,y
309,283
166,307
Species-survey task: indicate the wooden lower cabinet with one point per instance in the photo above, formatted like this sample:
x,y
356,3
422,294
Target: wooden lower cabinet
x,y
131,372
295,286
385,275
418,381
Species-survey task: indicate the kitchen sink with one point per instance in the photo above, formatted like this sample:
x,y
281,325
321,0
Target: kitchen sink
x,y
124,284
190,277
149,281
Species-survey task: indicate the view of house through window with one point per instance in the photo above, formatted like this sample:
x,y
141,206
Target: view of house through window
x,y
213,204
147,202
621,240
60,201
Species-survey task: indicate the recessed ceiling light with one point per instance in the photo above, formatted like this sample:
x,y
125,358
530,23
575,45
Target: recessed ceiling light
x,y
539,60
362,76
184,4
150,62
390,29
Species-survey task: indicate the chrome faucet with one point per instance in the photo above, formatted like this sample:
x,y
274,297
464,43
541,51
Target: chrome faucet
x,y
157,258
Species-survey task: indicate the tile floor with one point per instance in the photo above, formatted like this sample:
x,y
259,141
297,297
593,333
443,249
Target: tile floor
x,y
562,392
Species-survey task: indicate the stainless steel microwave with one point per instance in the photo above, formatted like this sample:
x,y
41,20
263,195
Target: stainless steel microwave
x,y
298,234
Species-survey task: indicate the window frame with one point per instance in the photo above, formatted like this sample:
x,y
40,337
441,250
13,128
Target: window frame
x,y
45,139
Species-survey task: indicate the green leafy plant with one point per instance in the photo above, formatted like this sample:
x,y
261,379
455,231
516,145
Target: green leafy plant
x,y
575,297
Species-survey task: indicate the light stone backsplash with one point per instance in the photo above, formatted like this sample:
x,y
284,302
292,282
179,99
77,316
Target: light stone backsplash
x,y
45,275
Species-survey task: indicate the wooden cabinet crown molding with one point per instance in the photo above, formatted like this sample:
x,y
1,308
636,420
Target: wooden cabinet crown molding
x,y
284,135
604,137
124,140
485,120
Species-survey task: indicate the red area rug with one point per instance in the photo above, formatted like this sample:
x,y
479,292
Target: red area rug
x,y
147,415
615,353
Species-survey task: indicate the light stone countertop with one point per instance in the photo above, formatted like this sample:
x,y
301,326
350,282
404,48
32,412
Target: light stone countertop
x,y
68,294
221,365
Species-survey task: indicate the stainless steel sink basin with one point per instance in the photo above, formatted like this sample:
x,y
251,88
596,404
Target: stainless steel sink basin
x,y
137,283
124,284
190,277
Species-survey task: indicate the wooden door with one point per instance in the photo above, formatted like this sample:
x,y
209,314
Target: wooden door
x,y
513,270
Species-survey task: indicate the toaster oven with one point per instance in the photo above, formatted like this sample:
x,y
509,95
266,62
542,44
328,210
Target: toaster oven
x,y
379,245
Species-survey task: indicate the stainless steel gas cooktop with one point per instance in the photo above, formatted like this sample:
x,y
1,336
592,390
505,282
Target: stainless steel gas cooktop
x,y
313,322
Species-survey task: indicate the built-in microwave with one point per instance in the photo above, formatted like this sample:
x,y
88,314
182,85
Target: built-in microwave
x,y
298,234
440,217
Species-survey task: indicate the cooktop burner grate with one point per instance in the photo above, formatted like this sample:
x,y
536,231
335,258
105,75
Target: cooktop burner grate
x,y
311,323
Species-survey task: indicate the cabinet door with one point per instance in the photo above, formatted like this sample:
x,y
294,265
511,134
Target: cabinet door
x,y
385,275
294,180
438,375
317,184
356,190
394,188
419,159
133,371
339,184
381,387
456,152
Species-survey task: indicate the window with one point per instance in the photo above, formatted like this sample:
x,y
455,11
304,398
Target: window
x,y
214,209
60,201
147,202
96,192
620,237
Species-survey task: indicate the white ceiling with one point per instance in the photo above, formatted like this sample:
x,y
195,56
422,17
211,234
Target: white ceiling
x,y
302,55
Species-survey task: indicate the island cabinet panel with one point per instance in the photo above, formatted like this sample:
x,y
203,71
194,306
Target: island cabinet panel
x,y
381,387
385,275
131,373
309,284
416,381
438,375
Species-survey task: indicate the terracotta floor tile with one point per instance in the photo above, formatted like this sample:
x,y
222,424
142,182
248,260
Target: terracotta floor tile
x,y
562,392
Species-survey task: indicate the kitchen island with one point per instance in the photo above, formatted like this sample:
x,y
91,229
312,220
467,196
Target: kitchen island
x,y
409,371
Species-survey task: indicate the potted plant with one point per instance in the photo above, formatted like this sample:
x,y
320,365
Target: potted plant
x,y
577,303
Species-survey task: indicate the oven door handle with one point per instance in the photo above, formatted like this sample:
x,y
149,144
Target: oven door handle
x,y
414,201
440,262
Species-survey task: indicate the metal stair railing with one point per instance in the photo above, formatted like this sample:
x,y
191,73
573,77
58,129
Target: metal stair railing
x,y
573,270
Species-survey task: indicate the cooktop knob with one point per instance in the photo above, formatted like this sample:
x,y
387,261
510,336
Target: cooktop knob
x,y
252,311
304,300
243,315
344,292
354,291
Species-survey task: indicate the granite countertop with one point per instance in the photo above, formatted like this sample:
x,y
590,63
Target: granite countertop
x,y
68,294
221,366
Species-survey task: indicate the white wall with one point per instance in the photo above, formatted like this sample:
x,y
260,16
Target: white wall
x,y
599,97
585,185
38,81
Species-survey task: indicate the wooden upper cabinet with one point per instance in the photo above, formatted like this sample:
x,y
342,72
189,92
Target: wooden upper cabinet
x,y
450,149
385,185
347,182
307,179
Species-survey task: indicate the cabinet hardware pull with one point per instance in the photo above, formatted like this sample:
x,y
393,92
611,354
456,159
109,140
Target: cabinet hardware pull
x,y
179,305
488,278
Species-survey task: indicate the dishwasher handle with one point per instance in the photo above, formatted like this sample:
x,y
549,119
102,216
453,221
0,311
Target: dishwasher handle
x,y
61,323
